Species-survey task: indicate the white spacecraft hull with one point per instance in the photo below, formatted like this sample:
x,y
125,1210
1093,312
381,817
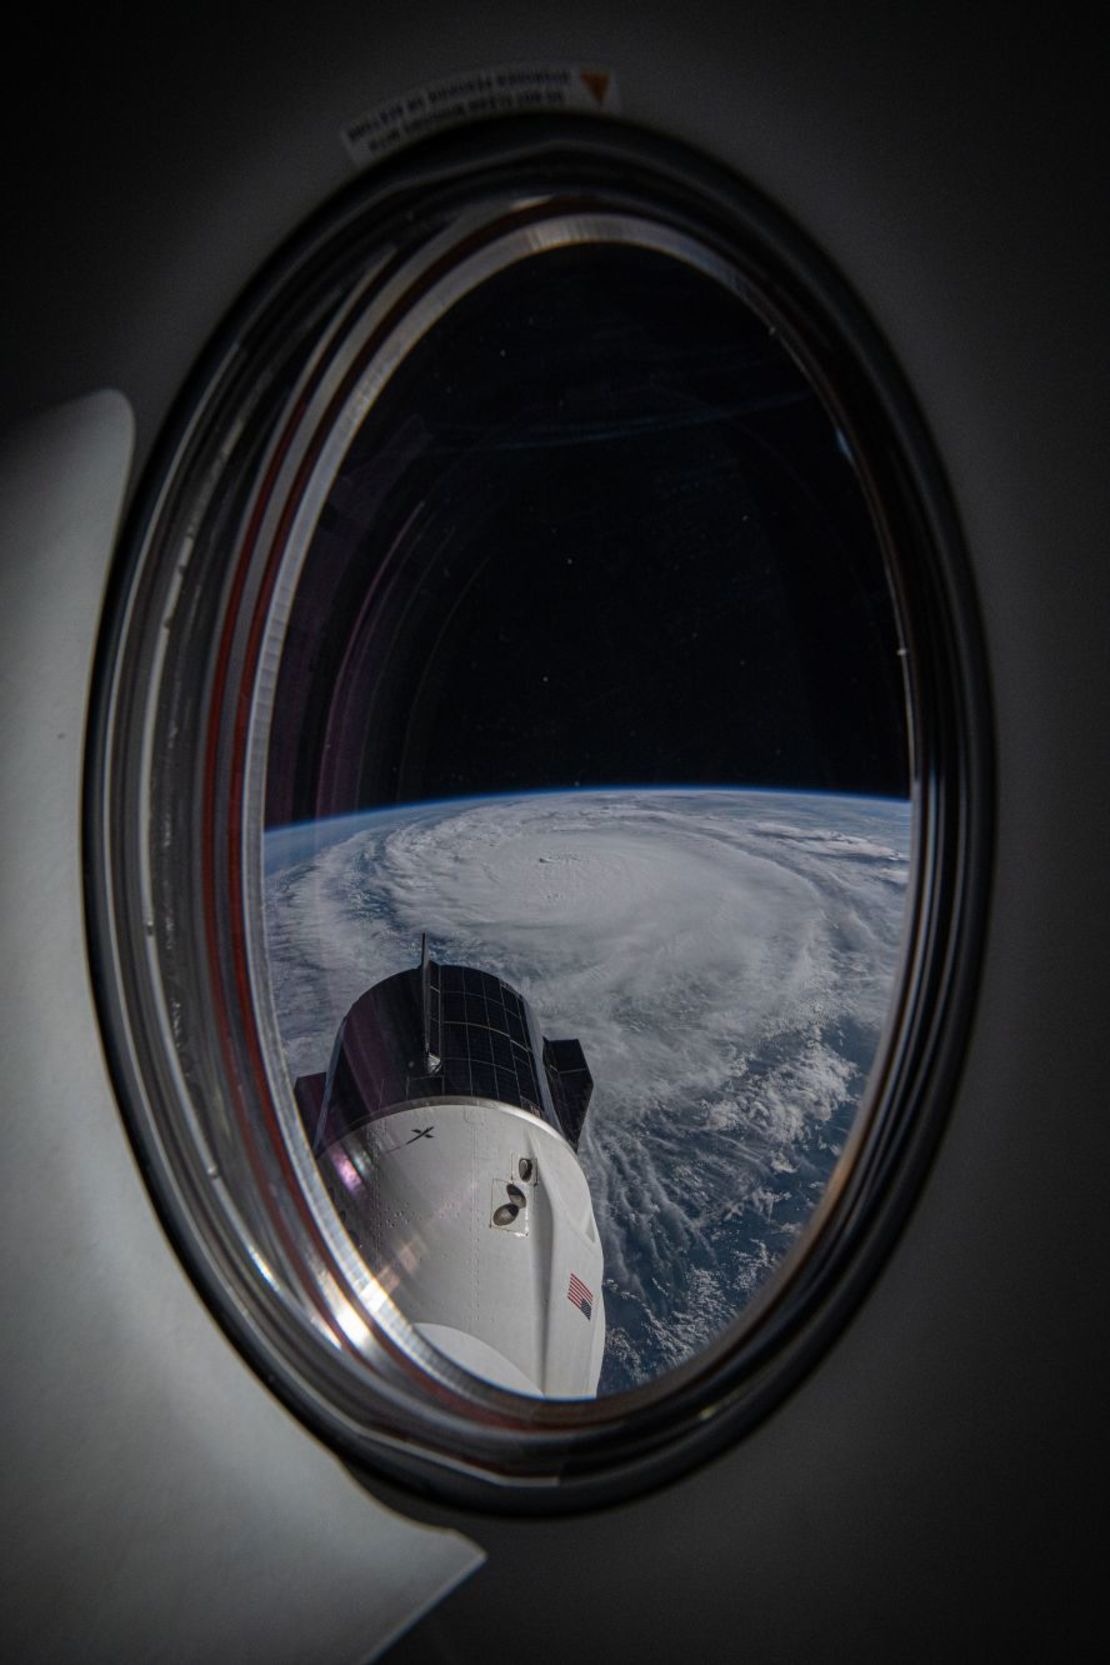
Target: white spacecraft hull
x,y
476,1217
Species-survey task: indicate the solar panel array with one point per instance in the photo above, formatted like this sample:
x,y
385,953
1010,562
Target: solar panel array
x,y
442,1031
484,1041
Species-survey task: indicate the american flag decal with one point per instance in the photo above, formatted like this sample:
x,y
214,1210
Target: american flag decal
x,y
580,1296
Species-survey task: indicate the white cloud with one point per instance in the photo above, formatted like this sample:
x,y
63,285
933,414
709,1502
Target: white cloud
x,y
726,960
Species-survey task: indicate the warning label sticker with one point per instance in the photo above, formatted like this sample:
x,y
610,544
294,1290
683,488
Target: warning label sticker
x,y
475,96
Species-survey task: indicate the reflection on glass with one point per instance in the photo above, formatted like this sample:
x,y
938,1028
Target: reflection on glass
x,y
591,672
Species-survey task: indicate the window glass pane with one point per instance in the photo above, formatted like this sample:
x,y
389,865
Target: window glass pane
x,y
593,673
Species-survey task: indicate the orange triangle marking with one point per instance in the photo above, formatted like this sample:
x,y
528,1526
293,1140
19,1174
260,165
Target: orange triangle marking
x,y
594,81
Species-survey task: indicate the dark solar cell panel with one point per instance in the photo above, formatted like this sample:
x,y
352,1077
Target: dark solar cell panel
x,y
507,1085
454,1005
462,1077
454,1040
485,1080
501,1051
480,1029
571,1084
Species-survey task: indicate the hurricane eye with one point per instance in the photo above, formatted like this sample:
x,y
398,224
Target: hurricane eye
x,y
532,766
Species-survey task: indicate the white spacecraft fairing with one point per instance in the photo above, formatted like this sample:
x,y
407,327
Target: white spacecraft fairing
x,y
447,1128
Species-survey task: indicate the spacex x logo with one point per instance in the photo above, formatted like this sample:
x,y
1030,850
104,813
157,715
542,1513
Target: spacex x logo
x,y
580,1296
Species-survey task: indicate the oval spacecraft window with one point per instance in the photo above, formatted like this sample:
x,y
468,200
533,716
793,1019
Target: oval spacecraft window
x,y
538,793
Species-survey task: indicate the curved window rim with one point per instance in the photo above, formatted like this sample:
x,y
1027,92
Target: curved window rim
x,y
585,1453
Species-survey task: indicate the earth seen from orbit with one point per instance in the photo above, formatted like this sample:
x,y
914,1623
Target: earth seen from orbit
x,y
726,958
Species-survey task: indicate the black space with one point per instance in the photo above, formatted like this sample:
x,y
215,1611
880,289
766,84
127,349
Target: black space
x,y
598,531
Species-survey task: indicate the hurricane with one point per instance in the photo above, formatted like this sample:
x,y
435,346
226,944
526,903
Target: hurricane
x,y
727,959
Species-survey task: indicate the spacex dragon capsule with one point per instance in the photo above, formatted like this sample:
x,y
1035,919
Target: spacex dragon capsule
x,y
447,1126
